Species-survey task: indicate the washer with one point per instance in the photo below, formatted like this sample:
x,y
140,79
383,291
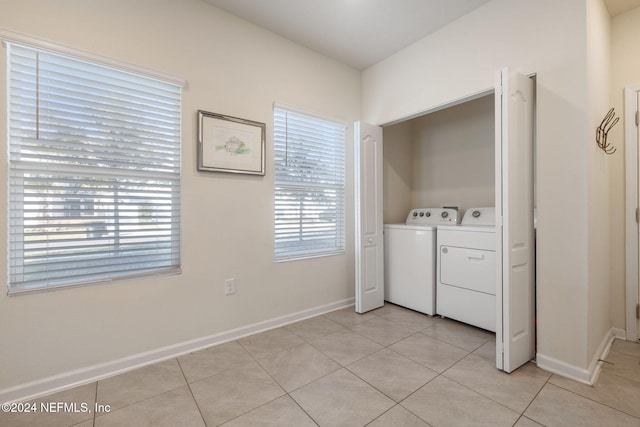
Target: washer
x,y
466,269
409,258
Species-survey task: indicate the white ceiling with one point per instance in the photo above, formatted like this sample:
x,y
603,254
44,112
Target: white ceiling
x,y
360,33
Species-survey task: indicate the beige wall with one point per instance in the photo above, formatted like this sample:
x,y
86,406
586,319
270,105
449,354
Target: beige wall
x,y
397,172
625,71
598,65
443,158
454,156
231,67
546,37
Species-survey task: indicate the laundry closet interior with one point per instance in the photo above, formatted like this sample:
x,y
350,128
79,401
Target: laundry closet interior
x,y
446,159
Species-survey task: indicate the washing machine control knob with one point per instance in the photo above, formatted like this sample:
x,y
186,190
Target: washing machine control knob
x,y
445,214
415,214
428,214
421,214
476,214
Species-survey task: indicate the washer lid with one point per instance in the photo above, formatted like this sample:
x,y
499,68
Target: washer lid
x,y
410,227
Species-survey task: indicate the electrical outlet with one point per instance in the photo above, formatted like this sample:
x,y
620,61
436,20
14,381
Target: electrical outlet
x,y
230,286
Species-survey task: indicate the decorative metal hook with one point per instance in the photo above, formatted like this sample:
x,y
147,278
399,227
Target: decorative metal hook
x,y
607,123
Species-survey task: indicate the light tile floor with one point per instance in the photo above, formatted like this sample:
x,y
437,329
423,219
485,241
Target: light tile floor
x,y
390,367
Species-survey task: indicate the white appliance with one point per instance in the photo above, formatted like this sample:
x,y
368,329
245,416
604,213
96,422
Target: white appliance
x,y
409,258
466,269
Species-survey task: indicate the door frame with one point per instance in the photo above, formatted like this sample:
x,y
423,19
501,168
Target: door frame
x,y
488,91
631,226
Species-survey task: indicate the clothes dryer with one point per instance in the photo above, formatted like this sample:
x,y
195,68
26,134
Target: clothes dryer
x,y
466,269
409,258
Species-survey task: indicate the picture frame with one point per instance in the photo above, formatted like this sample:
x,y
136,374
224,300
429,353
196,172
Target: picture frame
x,y
230,144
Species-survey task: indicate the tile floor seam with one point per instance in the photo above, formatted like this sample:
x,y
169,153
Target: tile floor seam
x,y
148,397
348,371
403,326
580,397
413,413
95,401
534,399
368,383
484,395
524,416
325,354
304,410
447,342
429,367
414,392
374,420
219,372
396,402
191,392
530,376
421,364
245,348
593,400
409,410
281,386
622,376
354,361
144,400
251,410
393,407
378,342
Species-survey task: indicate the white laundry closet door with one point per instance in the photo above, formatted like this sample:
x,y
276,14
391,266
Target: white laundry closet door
x,y
632,193
634,333
515,294
369,228
632,138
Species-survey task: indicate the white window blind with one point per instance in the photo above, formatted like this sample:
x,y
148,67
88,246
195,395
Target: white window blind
x,y
309,185
94,155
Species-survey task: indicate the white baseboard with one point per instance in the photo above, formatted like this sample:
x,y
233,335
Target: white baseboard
x,y
67,380
587,376
562,368
619,333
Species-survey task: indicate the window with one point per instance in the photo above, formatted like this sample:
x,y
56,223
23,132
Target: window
x,y
94,171
309,185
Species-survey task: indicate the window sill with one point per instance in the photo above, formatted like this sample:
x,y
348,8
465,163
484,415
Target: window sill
x,y
307,256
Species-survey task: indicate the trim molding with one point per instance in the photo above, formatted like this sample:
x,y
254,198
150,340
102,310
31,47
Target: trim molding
x,y
587,376
67,380
562,368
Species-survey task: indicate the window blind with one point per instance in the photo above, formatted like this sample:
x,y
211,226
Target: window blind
x,y
94,174
309,169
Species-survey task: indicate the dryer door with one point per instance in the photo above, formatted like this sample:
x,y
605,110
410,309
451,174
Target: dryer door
x,y
468,268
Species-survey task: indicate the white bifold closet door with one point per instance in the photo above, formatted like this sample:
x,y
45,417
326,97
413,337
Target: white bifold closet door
x,y
369,228
515,295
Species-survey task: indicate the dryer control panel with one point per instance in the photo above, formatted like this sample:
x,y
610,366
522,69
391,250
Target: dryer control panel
x,y
432,216
479,216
